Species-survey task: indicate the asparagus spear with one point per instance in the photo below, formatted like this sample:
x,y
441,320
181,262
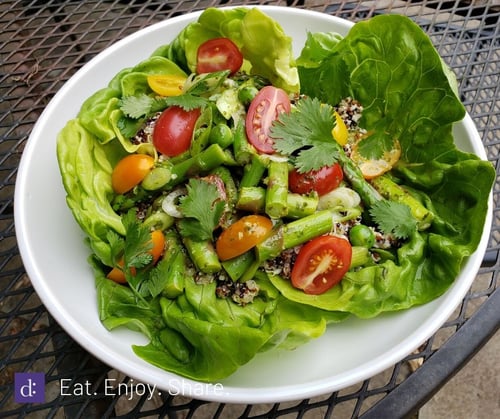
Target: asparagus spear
x,y
237,266
203,255
277,189
253,199
210,158
243,150
366,191
174,285
253,172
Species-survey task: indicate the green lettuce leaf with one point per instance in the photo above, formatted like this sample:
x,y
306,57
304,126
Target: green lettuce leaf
x,y
86,166
203,337
249,29
101,115
390,65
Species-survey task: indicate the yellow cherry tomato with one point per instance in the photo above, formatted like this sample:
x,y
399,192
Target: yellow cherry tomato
x,y
339,131
242,235
158,241
130,171
166,84
372,168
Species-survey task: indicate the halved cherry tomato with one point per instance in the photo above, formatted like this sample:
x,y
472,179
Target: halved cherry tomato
x,y
321,264
264,109
130,171
166,84
173,130
242,235
371,168
339,131
158,241
322,181
218,54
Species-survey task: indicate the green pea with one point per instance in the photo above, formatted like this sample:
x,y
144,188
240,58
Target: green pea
x,y
221,134
361,235
246,94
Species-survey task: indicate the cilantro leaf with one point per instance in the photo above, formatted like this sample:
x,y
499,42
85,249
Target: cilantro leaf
x,y
187,102
394,218
128,126
116,244
202,208
306,135
136,106
155,282
137,242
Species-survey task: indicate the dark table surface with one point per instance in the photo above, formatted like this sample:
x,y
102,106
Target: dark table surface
x,y
31,71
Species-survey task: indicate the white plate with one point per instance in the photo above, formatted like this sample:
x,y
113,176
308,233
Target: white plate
x,y
55,257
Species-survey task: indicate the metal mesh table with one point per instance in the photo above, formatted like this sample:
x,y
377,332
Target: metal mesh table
x,y
43,43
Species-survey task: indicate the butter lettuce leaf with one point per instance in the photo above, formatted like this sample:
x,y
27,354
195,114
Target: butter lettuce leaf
x,y
391,66
250,29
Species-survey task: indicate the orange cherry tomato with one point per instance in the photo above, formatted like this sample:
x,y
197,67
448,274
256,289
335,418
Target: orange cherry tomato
x,y
158,241
116,274
130,171
242,235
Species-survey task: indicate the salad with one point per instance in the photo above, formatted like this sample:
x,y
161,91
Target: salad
x,y
237,199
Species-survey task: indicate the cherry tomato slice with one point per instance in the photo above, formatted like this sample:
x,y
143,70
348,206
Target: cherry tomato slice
x,y
217,55
372,168
130,171
321,264
322,181
264,109
173,130
158,241
242,235
166,84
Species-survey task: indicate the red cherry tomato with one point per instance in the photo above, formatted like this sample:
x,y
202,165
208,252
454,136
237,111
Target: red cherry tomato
x,y
218,54
174,129
322,181
321,264
263,111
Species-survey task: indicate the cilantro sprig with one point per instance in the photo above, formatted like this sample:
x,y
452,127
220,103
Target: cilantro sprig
x,y
394,218
202,208
136,107
306,135
132,255
143,105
